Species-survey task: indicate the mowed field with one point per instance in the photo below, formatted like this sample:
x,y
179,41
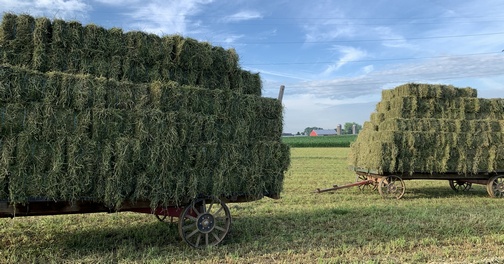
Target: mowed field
x,y
430,224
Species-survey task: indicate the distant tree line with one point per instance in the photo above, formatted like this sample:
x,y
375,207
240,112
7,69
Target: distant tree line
x,y
346,129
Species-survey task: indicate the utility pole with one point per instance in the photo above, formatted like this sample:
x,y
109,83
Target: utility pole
x,y
281,93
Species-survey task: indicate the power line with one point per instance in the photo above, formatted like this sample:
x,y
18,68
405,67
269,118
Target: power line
x,y
347,83
370,60
368,40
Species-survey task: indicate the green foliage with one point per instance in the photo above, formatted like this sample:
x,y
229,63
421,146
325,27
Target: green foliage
x,y
348,128
319,142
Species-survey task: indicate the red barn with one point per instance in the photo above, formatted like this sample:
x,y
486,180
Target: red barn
x,y
323,132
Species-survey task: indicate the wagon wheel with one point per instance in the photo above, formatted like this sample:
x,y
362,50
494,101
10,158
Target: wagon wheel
x,y
365,187
205,222
458,185
495,186
391,186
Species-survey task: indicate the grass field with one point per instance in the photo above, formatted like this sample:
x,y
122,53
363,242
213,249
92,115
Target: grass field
x,y
320,142
430,224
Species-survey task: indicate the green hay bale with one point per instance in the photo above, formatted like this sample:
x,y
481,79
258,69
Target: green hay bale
x,y
20,85
121,183
7,157
191,54
155,58
217,75
134,63
428,91
456,108
77,57
41,44
154,125
6,85
60,49
117,51
167,61
251,83
95,51
428,152
108,124
125,95
12,119
23,52
7,36
16,39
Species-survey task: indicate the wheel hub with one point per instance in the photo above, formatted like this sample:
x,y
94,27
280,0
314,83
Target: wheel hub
x,y
500,187
206,223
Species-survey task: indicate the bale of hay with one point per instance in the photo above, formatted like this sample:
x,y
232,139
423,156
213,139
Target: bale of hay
x,y
419,90
133,56
420,128
41,44
84,119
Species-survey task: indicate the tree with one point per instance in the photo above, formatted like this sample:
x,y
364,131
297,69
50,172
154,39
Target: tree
x,y
308,130
347,128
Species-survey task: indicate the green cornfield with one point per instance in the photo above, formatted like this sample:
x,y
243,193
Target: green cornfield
x,y
341,141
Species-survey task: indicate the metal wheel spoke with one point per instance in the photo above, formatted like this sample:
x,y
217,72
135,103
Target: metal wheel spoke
x,y
194,232
198,240
196,210
216,237
210,207
186,227
207,228
219,211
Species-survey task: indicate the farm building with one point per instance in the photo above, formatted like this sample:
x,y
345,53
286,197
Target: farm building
x,y
323,132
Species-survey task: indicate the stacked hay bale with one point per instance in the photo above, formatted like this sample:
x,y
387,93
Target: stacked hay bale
x,y
138,57
69,132
432,129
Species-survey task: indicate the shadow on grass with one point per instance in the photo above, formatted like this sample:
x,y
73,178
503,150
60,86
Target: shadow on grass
x,y
363,226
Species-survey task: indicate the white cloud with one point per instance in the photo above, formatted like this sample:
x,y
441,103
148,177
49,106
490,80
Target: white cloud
x,y
391,39
119,2
349,54
163,17
242,16
65,9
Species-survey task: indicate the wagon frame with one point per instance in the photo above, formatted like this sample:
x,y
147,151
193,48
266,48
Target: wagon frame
x,y
202,221
391,185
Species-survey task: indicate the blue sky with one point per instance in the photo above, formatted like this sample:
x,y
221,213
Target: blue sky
x,y
334,57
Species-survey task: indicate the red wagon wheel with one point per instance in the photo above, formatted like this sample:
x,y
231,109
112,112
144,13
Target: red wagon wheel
x,y
495,186
205,222
391,186
460,186
365,187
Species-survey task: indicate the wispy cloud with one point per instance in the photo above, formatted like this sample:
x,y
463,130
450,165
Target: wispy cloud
x,y
349,54
242,16
65,9
392,39
162,17
439,70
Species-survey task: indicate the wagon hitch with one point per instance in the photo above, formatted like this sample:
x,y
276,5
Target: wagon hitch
x,y
336,187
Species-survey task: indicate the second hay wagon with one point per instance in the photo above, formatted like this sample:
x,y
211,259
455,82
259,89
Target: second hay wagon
x,y
391,185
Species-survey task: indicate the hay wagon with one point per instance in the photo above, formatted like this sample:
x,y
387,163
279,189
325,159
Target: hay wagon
x,y
391,185
202,222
